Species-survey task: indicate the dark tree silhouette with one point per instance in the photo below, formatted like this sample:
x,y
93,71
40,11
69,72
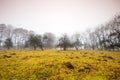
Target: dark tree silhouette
x,y
32,41
8,43
64,42
35,41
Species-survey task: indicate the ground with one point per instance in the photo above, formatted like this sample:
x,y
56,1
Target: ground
x,y
59,65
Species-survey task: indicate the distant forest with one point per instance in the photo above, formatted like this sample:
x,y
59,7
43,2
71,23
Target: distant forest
x,y
103,37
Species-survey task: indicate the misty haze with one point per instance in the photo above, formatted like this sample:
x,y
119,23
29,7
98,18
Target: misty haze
x,y
59,40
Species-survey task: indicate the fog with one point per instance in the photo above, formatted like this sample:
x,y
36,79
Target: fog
x,y
57,16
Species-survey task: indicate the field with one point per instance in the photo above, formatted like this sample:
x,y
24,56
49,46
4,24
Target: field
x,y
59,65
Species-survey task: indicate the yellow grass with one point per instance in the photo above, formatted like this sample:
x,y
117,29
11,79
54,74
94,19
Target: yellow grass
x,y
59,65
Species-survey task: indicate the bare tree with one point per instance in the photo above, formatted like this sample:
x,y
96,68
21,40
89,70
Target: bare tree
x,y
20,36
8,32
2,28
49,40
76,41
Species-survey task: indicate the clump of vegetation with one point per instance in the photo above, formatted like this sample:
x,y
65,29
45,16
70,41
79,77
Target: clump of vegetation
x,y
109,57
99,59
105,60
69,65
71,57
7,56
118,61
43,74
85,53
88,67
77,57
114,74
81,70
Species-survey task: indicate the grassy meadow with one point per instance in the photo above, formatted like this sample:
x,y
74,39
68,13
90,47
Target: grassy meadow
x,y
59,65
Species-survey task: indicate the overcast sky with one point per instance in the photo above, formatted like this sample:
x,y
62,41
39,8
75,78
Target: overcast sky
x,y
57,16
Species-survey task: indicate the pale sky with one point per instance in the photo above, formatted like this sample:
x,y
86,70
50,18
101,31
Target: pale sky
x,y
57,16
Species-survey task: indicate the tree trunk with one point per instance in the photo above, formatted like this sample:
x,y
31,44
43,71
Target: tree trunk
x,y
41,48
64,48
76,48
8,48
34,47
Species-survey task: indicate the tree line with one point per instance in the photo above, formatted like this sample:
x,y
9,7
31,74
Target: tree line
x,y
103,37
